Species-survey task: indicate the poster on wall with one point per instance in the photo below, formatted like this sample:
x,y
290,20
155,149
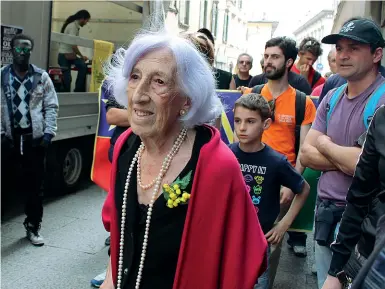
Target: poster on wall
x,y
7,33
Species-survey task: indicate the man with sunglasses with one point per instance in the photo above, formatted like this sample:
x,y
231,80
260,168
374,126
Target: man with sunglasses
x,y
28,124
244,65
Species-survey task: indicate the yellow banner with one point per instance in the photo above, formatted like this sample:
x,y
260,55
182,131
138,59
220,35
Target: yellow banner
x,y
102,51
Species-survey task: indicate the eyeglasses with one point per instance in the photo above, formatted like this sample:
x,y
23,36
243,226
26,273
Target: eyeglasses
x,y
23,49
272,108
245,62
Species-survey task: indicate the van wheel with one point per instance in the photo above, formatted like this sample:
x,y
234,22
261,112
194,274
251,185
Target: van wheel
x,y
72,166
64,168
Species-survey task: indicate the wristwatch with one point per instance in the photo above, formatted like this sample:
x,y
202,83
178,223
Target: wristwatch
x,y
345,280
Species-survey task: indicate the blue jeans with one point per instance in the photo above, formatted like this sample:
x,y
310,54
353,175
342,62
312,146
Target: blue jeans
x,y
65,64
263,280
323,258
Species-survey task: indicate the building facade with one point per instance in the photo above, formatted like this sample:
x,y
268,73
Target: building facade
x,y
344,10
229,26
226,19
258,33
318,27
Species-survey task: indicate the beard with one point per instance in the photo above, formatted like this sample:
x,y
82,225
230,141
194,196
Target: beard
x,y
275,73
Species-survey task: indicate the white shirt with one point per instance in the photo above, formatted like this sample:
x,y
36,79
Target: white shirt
x,y
71,29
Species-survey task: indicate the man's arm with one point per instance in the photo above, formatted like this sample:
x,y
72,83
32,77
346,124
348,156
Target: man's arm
x,y
232,84
311,157
50,107
344,158
116,113
292,180
118,117
304,131
296,206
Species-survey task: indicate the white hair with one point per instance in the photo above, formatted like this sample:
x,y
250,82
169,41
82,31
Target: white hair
x,y
194,76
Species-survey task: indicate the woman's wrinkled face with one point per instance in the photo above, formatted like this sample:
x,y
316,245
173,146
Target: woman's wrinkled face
x,y
154,101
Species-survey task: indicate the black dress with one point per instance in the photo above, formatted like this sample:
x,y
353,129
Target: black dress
x,y
166,227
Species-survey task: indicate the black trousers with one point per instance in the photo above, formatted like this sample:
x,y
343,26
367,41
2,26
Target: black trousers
x,y
23,173
297,238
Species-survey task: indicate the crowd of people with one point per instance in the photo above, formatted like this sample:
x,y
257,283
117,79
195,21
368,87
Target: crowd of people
x,y
184,209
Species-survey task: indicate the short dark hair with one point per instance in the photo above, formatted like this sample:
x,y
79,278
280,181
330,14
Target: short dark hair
x,y
21,37
287,45
312,45
255,102
208,33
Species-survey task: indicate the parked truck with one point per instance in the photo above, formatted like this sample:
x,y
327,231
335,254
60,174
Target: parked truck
x,y
70,156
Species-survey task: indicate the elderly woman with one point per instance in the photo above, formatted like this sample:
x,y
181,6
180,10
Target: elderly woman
x,y
178,209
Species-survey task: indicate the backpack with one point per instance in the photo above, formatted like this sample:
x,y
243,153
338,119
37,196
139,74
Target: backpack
x,y
300,107
316,77
370,106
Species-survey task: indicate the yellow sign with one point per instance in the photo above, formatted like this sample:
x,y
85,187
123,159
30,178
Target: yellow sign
x,y
102,51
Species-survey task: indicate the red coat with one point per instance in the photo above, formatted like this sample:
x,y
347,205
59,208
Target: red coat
x,y
223,246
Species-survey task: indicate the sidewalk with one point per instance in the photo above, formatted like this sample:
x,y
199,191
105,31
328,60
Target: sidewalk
x,y
74,250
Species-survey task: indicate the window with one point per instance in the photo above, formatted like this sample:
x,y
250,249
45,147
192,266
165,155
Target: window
x,y
214,20
184,11
226,27
203,14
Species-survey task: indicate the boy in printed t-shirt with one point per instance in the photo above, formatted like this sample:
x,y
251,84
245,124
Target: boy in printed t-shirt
x,y
265,170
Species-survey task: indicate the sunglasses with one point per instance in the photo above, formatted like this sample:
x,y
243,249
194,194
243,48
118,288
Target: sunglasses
x,y
23,49
272,108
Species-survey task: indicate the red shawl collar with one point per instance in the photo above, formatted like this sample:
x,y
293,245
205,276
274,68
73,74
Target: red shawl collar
x,y
223,246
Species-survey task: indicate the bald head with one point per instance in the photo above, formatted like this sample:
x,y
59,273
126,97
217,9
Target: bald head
x,y
332,60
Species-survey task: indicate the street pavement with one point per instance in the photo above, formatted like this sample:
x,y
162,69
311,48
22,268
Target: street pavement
x,y
74,250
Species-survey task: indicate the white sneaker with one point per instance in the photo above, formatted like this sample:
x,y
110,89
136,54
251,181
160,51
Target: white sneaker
x,y
33,234
98,280
314,269
300,251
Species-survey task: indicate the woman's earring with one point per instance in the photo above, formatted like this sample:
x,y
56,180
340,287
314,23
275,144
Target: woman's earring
x,y
182,112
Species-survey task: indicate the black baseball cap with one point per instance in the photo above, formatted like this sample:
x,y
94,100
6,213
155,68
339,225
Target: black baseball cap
x,y
361,30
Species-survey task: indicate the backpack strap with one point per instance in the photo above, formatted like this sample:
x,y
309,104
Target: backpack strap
x,y
300,107
316,77
372,103
333,101
258,88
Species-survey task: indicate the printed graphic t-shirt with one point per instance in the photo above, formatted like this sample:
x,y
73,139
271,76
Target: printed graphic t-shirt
x,y
280,136
265,172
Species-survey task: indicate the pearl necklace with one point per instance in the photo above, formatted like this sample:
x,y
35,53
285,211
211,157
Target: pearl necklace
x,y
165,166
138,175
